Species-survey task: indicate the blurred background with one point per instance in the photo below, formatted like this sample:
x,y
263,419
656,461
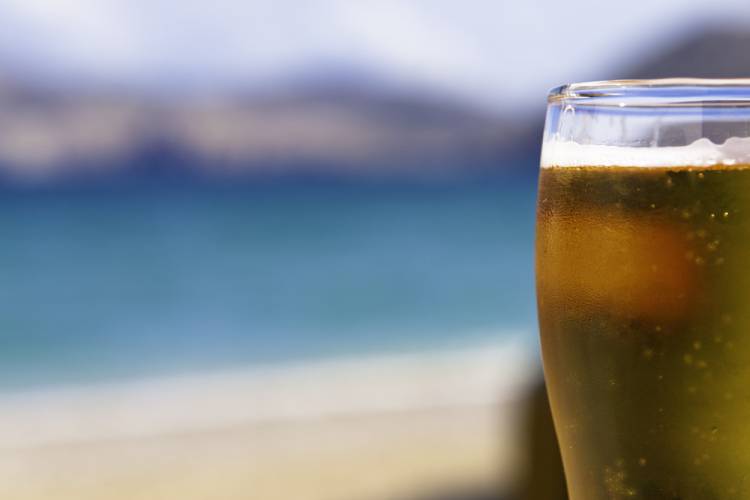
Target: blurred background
x,y
284,249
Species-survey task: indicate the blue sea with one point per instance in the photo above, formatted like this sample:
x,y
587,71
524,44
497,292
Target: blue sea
x,y
119,283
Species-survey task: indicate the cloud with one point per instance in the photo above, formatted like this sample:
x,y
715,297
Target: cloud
x,y
498,51
77,34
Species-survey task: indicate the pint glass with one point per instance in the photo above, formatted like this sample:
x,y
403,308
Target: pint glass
x,y
643,286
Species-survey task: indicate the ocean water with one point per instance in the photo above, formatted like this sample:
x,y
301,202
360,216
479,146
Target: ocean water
x,y
111,284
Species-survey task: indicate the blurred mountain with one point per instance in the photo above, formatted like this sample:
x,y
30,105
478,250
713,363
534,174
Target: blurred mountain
x,y
323,121
321,127
713,52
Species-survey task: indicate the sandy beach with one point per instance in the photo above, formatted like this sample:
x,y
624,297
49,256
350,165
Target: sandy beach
x,y
406,426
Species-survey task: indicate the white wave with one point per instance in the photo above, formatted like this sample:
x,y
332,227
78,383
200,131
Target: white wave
x,y
348,387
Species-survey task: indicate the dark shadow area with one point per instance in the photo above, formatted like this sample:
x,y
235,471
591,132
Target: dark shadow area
x,y
544,478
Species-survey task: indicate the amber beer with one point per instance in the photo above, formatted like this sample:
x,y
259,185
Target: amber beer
x,y
643,277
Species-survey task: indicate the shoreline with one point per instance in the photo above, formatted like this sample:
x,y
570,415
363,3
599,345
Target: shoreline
x,y
351,387
407,455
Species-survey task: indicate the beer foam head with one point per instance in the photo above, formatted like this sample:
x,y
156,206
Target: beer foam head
x,y
701,153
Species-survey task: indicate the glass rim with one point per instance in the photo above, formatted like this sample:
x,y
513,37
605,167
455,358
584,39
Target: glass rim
x,y
656,93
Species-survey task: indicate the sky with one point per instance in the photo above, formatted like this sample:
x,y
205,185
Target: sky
x,y
498,52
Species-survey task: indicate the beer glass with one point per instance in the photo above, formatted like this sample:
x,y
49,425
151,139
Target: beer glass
x,y
643,286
